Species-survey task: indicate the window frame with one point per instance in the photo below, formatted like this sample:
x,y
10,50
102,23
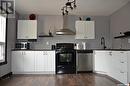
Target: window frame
x,y
5,62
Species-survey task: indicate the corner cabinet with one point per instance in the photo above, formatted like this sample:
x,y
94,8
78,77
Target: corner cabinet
x,y
85,29
113,64
33,62
27,29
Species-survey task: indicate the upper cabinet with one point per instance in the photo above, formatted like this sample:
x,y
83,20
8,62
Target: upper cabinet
x,y
85,29
27,29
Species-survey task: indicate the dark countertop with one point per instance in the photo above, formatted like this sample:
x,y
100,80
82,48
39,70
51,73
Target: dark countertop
x,y
87,50
91,50
113,49
32,50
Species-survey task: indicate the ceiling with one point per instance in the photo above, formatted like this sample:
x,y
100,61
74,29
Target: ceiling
x,y
84,7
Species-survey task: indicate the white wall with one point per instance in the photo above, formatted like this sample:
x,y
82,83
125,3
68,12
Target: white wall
x,y
4,69
120,22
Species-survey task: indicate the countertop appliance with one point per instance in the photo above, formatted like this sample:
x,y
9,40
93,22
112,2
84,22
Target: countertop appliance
x,y
81,46
22,45
84,60
65,58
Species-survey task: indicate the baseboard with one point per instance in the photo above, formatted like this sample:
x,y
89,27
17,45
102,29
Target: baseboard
x,y
6,76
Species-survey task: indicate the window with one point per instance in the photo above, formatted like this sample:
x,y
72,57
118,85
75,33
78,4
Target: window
x,y
3,58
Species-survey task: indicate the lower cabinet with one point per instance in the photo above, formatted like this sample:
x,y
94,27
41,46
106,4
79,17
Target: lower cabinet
x,y
17,62
45,62
33,62
28,61
112,63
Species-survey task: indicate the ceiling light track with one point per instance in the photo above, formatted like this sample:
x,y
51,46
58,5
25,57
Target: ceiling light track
x,y
69,5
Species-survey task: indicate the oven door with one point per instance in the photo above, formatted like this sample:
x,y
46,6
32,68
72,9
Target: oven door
x,y
66,58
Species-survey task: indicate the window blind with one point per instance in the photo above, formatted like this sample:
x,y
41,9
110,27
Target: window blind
x,y
2,37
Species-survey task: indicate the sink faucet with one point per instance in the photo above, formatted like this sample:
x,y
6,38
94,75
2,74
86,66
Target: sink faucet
x,y
103,42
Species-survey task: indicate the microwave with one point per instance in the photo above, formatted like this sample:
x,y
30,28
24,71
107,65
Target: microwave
x,y
22,45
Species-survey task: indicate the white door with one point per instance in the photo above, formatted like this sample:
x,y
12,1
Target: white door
x,y
32,29
40,61
28,61
17,62
80,29
89,30
22,29
27,29
100,61
51,61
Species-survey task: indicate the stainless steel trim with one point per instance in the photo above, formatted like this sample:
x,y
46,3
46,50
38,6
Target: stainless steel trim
x,y
84,62
65,30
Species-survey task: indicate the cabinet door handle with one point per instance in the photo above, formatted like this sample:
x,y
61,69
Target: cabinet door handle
x,y
110,53
24,53
122,62
121,52
43,53
85,37
122,72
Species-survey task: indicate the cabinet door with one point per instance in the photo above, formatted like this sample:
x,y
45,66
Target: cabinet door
x,y
17,62
32,29
50,60
90,30
80,27
28,61
22,29
119,67
40,61
27,29
100,60
85,29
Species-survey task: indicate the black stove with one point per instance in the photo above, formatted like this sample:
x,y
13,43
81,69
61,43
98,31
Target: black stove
x,y
65,58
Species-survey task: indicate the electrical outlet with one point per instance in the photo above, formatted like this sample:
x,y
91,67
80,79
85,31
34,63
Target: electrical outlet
x,y
47,43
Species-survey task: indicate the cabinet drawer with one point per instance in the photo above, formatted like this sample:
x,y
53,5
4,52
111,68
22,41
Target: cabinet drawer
x,y
123,59
123,77
123,67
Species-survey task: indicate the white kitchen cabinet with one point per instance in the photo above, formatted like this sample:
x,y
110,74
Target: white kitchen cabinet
x,y
27,29
17,62
100,61
40,61
28,60
51,61
112,63
85,29
119,67
33,62
45,62
22,62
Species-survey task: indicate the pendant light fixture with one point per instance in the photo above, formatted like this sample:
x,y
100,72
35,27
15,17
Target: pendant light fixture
x,y
69,5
